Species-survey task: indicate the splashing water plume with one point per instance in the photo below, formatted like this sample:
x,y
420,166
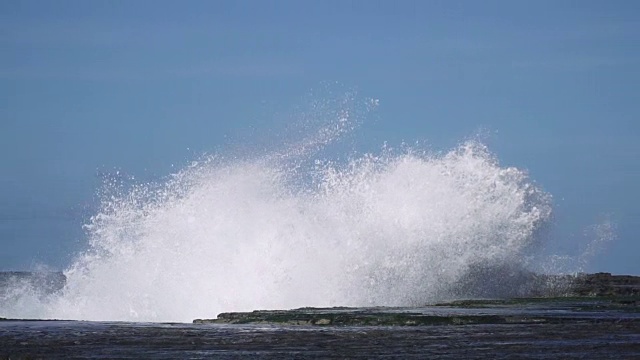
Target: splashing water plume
x,y
394,228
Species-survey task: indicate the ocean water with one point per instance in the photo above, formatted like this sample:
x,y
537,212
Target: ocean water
x,y
292,227
551,330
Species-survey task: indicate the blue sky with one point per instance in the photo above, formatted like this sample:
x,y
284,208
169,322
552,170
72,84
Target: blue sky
x,y
93,86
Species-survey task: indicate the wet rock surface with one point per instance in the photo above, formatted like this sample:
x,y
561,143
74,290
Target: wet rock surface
x,y
605,284
597,317
597,335
514,282
462,312
574,297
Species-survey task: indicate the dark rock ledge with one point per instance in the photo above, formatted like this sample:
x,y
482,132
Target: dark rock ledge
x,y
584,299
605,284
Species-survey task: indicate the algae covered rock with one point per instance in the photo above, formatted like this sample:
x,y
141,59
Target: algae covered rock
x,y
575,296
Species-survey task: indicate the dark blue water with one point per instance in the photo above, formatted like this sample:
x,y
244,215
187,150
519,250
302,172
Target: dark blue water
x,y
593,335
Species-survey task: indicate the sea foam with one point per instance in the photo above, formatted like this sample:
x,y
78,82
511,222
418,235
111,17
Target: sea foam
x,y
287,228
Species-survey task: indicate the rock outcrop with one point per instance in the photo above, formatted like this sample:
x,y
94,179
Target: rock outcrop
x,y
605,284
579,297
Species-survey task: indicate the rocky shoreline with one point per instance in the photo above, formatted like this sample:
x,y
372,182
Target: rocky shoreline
x,y
581,297
576,294
605,284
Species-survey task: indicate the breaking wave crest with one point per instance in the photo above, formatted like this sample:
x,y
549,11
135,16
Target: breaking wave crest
x,y
392,228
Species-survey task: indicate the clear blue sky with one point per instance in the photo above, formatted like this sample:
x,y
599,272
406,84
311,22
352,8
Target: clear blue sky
x,y
90,86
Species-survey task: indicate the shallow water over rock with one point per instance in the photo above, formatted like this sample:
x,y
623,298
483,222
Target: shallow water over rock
x,y
580,328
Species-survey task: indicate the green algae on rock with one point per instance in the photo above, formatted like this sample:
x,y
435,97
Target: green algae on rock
x,y
357,317
465,312
585,296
